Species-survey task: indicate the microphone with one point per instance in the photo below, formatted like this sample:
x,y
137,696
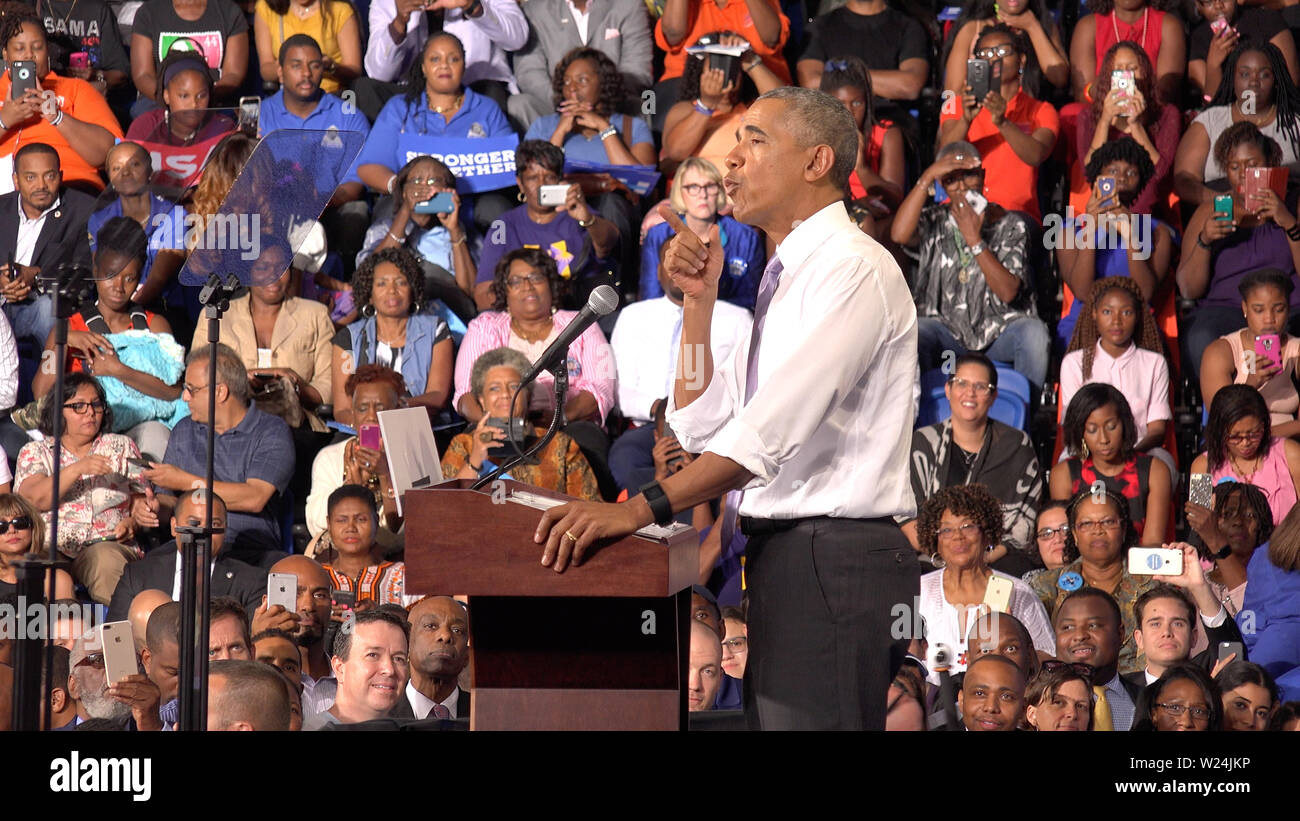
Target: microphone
x,y
602,301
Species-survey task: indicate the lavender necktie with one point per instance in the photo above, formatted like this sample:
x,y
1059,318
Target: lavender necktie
x,y
766,289
440,711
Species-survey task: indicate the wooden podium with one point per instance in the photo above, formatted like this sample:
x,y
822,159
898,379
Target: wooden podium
x,y
602,646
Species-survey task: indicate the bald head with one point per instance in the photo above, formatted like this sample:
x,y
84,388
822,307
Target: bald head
x,y
142,607
190,511
705,674
313,603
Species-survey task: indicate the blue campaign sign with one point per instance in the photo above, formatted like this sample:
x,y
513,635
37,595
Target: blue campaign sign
x,y
640,179
479,163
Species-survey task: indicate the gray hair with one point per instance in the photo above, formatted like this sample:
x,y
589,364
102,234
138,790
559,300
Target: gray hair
x,y
498,358
230,369
817,118
962,147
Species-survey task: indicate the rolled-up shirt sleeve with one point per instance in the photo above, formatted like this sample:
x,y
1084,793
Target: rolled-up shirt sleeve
x,y
504,22
806,389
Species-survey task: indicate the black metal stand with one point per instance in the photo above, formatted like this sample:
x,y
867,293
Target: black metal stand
x,y
561,372
31,702
196,542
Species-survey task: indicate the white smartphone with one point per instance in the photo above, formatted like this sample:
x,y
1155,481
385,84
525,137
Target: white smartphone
x,y
977,201
119,650
1155,561
282,589
998,594
550,195
1200,490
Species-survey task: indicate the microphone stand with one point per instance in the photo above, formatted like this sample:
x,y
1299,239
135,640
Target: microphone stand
x,y
196,541
561,372
31,701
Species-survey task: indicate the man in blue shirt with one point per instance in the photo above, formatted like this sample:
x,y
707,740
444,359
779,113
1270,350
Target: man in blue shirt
x,y
253,460
300,103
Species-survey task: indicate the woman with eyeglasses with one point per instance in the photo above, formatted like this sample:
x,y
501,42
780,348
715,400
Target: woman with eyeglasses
x,y
1240,447
1249,696
1184,699
395,332
956,527
698,197
735,652
1240,522
438,239
494,381
96,529
1029,16
1101,438
22,531
1059,698
1009,117
1049,534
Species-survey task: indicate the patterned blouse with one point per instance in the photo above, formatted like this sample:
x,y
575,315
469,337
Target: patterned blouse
x,y
383,583
95,505
950,285
1052,592
561,466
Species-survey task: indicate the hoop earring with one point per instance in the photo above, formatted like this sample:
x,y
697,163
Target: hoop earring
x,y
1083,448
520,196
367,310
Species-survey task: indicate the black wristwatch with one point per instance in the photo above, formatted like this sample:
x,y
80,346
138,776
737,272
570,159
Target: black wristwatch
x,y
659,504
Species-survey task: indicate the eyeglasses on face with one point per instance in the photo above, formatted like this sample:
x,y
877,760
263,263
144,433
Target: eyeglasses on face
x,y
515,283
1245,438
968,529
1109,523
1053,532
980,388
1177,710
82,408
736,645
695,189
192,390
441,182
17,523
995,52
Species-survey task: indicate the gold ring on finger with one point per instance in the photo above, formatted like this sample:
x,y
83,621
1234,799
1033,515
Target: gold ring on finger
x,y
569,534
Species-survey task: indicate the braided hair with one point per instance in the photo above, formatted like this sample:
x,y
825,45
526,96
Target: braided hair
x,y
1098,495
12,18
1085,331
1286,95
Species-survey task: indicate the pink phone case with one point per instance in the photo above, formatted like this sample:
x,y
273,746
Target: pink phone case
x,y
369,436
1269,346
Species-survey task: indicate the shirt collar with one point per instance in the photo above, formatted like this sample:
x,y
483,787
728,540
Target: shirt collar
x,y
1129,353
22,215
811,235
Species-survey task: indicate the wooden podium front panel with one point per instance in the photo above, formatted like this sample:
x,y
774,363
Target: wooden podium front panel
x,y
459,541
574,710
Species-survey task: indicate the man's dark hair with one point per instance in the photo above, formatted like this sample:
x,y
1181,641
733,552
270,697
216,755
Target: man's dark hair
x,y
362,494
299,41
72,383
222,606
1125,149
123,236
539,152
1271,277
390,614
275,633
35,148
254,692
1164,591
1091,593
163,627
230,370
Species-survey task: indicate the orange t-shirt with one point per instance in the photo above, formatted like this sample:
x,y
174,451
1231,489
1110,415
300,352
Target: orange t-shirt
x,y
704,17
78,99
1008,180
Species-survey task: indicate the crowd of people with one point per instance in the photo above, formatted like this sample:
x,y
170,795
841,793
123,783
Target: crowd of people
x,y
1080,195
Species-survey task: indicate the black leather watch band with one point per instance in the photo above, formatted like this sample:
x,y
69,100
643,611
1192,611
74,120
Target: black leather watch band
x,y
659,504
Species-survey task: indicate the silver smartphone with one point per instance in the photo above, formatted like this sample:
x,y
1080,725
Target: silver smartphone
x,y
282,589
119,650
553,195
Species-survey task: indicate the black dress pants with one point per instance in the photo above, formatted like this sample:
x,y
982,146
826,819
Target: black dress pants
x,y
821,653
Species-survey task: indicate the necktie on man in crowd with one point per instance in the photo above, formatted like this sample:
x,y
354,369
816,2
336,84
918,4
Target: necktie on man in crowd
x,y
439,711
1101,717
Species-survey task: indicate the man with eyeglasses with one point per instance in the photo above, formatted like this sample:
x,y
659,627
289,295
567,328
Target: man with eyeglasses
x,y
253,459
302,104
974,286
970,448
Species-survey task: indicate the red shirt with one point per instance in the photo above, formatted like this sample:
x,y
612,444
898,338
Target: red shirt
x,y
78,99
1008,180
704,17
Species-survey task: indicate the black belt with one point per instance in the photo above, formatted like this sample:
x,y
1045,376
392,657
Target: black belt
x,y
751,526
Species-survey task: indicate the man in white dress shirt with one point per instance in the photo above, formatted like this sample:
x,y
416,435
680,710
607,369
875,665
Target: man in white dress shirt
x,y
812,419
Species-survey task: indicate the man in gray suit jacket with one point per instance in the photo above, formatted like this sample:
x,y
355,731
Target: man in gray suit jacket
x,y
619,28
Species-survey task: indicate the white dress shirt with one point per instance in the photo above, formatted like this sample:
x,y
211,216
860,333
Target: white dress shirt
x,y
422,705
646,342
501,28
8,365
29,230
580,18
829,430
176,579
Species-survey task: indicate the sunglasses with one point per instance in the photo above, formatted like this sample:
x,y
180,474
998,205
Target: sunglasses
x,y
17,522
95,660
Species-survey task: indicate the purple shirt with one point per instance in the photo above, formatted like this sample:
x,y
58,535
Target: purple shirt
x,y
1235,256
565,240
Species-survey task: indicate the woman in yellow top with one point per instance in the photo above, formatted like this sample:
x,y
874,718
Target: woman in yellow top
x,y
331,23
